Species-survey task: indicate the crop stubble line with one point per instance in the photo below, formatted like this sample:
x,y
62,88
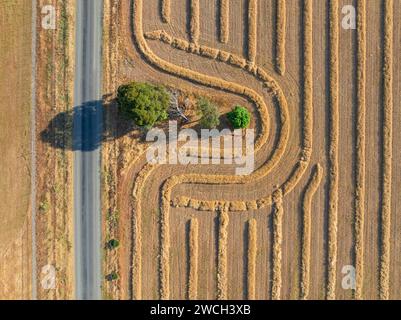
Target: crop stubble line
x,y
251,259
137,232
194,25
333,148
220,84
360,144
165,7
281,24
310,191
252,29
278,212
387,132
221,275
193,259
224,27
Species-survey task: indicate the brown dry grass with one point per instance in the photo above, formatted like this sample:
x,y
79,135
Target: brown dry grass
x,y
387,150
224,20
252,29
262,75
194,22
193,259
281,21
310,191
166,10
137,232
164,269
360,143
278,213
222,256
333,145
110,212
251,258
15,83
55,56
156,59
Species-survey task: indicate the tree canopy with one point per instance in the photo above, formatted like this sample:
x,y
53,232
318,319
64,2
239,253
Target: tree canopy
x,y
209,113
144,103
239,117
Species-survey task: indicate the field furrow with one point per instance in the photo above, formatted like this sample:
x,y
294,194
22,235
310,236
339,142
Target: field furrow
x,y
281,25
224,27
387,150
360,146
193,259
333,143
310,190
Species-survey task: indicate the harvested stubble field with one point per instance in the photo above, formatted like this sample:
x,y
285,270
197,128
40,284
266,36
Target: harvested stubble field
x,y
15,98
324,103
53,80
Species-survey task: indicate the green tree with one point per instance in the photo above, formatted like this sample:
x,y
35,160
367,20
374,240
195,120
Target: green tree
x,y
112,276
144,103
239,117
113,244
209,114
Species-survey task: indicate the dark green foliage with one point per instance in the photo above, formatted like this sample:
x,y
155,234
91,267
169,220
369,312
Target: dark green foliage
x,y
113,244
144,103
112,276
209,114
239,117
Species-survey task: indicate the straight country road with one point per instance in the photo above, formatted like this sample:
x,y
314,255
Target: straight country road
x,y
87,142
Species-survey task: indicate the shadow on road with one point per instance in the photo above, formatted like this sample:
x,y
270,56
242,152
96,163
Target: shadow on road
x,y
84,128
88,126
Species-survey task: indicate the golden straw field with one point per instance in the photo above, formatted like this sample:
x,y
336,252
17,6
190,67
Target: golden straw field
x,y
323,196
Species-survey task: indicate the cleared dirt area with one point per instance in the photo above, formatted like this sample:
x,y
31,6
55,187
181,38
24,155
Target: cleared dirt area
x,y
15,102
323,197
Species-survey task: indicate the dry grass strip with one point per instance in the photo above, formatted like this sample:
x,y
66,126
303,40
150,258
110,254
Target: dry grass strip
x,y
194,26
165,7
164,262
251,259
281,17
360,143
333,147
193,259
310,191
137,233
278,212
222,256
224,20
387,149
252,29
307,129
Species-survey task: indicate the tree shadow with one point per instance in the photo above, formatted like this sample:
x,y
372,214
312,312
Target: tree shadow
x,y
85,127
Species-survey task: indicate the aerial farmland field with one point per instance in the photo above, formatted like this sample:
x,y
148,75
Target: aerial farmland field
x,y
317,218
15,232
212,150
